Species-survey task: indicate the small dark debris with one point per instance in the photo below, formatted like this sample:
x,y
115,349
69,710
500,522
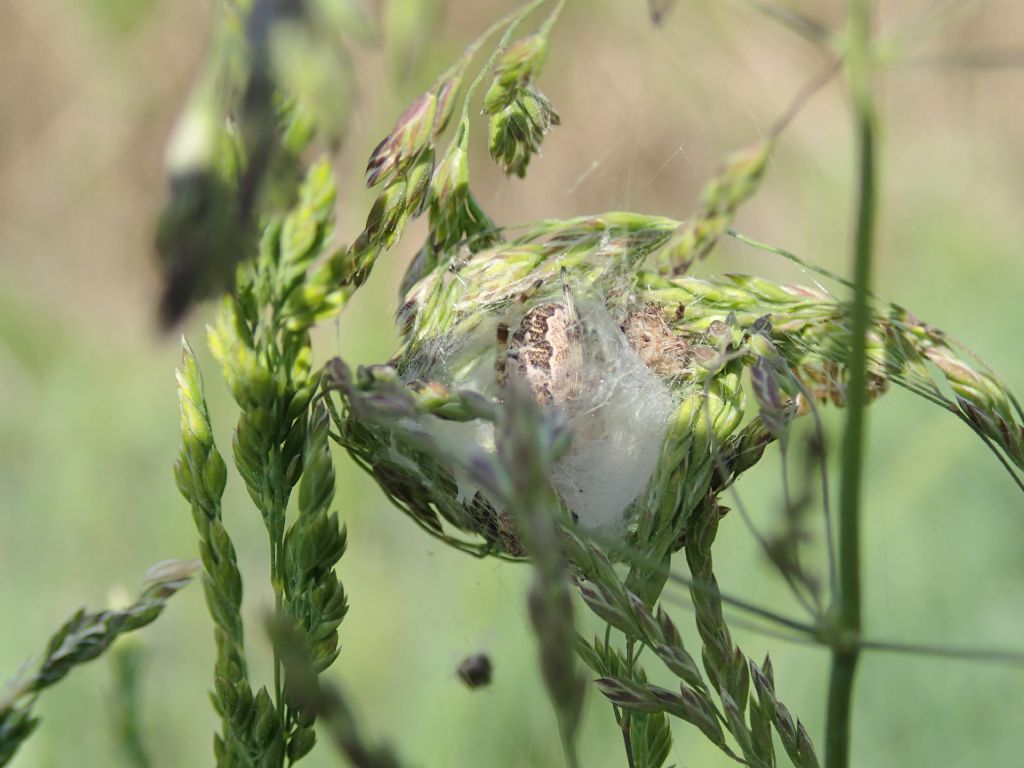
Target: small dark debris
x,y
475,671
659,9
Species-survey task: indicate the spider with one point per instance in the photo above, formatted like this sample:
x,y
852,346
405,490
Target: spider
x,y
651,337
546,350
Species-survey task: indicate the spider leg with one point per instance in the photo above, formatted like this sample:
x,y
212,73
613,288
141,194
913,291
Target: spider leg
x,y
570,305
528,293
503,353
574,334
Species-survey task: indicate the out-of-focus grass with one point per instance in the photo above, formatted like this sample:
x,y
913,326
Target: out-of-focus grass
x,y
88,417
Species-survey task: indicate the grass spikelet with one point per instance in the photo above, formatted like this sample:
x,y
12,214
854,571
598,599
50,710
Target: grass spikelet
x,y
83,637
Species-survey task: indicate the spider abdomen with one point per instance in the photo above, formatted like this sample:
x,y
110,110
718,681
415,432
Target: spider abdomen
x,y
544,352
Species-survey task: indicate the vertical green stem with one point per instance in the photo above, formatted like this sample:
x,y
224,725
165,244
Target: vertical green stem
x,y
275,578
274,476
847,607
626,723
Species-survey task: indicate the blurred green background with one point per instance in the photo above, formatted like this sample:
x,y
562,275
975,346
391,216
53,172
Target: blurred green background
x,y
88,414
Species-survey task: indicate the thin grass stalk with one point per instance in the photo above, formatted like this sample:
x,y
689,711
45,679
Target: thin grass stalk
x,y
513,20
128,660
847,603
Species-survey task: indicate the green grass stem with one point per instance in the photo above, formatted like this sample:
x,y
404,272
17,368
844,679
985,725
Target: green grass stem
x,y
847,603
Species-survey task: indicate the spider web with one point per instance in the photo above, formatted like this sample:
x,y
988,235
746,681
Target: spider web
x,y
618,170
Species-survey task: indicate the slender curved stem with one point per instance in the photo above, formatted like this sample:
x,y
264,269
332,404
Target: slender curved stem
x,y
847,603
805,26
1008,657
513,20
